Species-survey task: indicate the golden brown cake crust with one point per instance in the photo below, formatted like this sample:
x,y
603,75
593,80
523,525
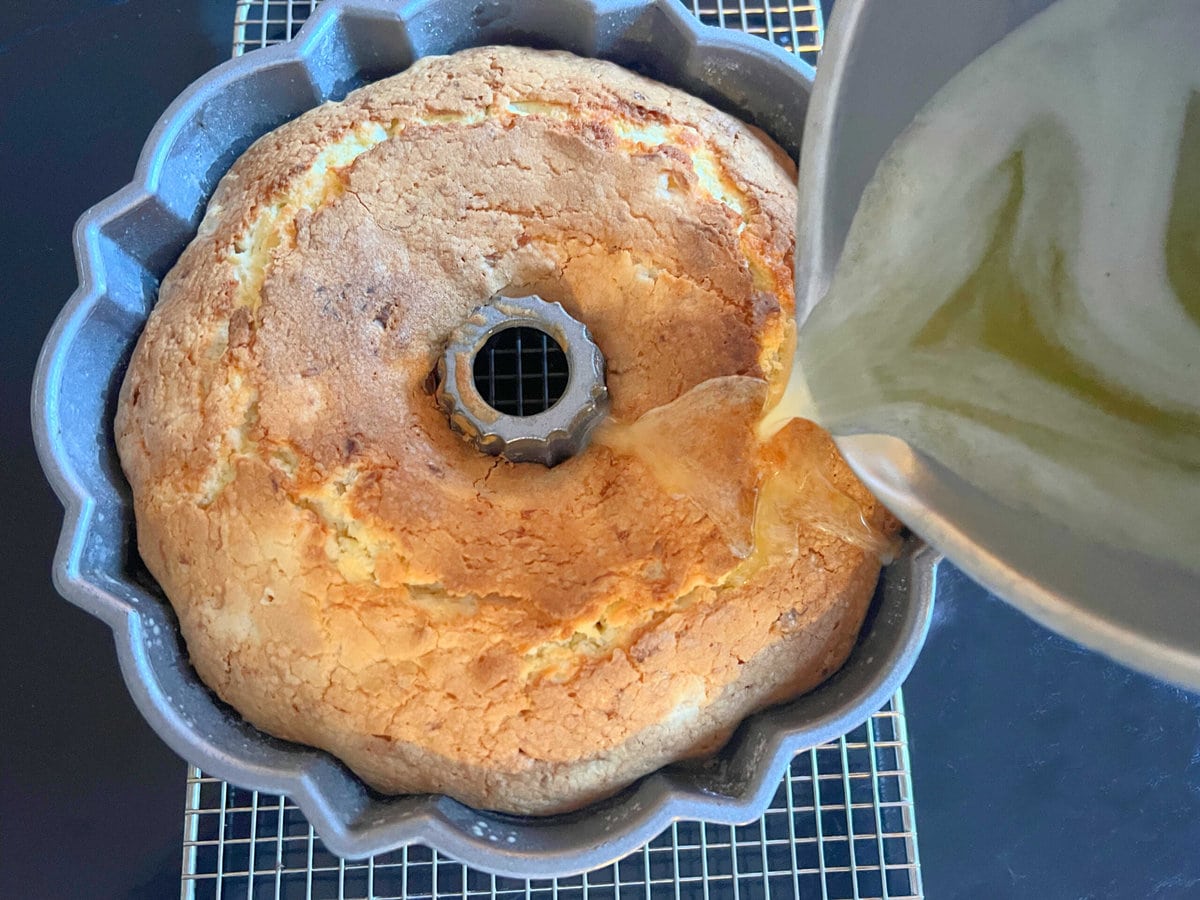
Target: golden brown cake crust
x,y
348,572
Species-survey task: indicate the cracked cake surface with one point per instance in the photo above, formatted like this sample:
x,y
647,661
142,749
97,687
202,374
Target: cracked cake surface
x,y
349,573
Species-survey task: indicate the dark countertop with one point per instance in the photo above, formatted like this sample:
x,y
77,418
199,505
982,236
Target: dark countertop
x,y
1040,769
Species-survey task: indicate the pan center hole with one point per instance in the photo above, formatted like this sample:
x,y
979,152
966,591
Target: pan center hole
x,y
521,371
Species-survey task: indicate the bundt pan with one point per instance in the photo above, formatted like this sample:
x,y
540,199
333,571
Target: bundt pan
x,y
127,243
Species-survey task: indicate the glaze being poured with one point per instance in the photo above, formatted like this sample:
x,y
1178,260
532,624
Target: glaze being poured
x,y
691,446
1019,294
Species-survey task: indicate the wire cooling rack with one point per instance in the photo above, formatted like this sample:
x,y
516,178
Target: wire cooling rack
x,y
797,27
841,823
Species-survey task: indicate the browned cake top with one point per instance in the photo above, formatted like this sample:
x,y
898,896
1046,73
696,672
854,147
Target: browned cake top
x,y
346,568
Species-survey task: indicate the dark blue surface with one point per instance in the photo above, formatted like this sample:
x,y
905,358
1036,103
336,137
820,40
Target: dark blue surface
x,y
91,802
1040,770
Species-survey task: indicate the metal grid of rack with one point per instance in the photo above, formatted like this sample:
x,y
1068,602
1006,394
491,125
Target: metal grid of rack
x,y
521,371
841,823
797,27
